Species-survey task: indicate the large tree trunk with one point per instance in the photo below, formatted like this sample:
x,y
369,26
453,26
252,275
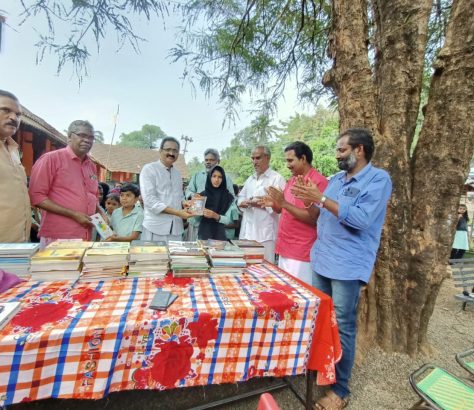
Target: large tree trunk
x,y
398,303
441,160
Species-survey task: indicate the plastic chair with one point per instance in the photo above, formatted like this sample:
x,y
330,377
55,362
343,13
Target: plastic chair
x,y
440,390
267,402
466,360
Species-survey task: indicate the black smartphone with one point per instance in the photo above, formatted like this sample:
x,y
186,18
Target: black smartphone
x,y
160,300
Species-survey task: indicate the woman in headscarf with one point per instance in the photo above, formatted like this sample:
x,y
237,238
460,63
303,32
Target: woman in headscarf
x,y
219,204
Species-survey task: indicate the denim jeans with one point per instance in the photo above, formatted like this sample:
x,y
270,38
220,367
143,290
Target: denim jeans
x,y
345,295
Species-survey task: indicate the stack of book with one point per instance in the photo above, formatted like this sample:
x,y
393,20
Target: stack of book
x,y
148,259
15,258
225,257
105,261
188,259
254,251
52,264
69,244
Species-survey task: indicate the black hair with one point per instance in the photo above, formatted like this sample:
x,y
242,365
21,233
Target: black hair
x,y
236,189
105,191
164,140
301,149
128,187
8,94
360,136
464,215
113,196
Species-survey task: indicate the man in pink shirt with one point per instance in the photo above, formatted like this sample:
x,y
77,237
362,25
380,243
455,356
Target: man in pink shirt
x,y
64,185
296,230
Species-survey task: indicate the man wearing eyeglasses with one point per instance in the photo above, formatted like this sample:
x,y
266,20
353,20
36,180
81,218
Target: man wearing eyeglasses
x,y
161,187
64,185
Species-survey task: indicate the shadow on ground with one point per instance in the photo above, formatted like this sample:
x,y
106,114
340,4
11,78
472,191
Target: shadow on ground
x,y
176,399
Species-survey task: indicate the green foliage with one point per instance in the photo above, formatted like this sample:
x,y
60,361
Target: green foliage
x,y
319,131
194,165
233,47
88,19
147,137
99,137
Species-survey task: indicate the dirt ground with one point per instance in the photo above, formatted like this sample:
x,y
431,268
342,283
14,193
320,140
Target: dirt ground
x,y
380,383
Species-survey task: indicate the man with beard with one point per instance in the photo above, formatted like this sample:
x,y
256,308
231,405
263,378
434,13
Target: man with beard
x,y
350,216
64,185
15,215
197,184
161,188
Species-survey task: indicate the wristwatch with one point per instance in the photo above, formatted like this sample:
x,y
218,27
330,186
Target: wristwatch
x,y
322,201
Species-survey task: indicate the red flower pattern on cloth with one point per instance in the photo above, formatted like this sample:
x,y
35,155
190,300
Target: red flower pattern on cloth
x,y
36,316
87,296
204,329
170,364
276,301
171,280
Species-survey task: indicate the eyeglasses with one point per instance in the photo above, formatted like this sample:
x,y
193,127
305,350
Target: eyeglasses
x,y
170,150
84,136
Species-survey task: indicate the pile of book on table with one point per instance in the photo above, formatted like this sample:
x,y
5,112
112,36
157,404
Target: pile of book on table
x,y
224,257
105,261
188,259
15,258
60,260
148,258
254,251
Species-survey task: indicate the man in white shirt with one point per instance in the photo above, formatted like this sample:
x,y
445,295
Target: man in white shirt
x,y
161,188
260,223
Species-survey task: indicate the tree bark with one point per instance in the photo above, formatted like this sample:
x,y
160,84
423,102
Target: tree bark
x,y
441,161
397,304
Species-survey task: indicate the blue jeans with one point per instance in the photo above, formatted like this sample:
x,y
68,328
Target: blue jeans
x,y
345,295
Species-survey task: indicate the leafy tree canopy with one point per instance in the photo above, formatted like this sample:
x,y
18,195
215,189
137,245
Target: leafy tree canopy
x,y
195,165
319,131
99,137
147,137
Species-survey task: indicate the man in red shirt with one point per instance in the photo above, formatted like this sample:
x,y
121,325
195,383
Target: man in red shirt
x,y
297,229
64,185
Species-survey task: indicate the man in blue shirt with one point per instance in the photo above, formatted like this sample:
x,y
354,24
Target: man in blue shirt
x,y
350,216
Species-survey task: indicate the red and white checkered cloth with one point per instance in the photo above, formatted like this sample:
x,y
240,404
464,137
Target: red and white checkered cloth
x,y
96,338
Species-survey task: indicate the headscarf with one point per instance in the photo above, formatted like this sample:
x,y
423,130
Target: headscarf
x,y
105,192
218,200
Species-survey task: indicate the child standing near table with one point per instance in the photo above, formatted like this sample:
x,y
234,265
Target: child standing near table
x,y
112,202
127,220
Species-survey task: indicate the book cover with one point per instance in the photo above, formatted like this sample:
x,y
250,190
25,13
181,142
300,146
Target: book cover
x,y
63,254
138,242
111,245
101,226
197,205
7,311
246,243
69,244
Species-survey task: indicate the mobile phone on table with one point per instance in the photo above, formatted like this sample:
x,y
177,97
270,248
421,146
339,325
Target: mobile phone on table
x,y
160,300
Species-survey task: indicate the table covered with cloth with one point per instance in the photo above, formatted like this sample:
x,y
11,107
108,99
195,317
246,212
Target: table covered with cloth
x,y
86,340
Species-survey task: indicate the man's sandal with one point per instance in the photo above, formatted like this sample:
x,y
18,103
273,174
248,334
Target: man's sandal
x,y
331,401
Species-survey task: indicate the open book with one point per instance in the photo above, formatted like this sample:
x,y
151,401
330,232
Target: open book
x,y
101,226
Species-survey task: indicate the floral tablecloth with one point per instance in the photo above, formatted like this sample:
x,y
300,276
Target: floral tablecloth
x,y
91,339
